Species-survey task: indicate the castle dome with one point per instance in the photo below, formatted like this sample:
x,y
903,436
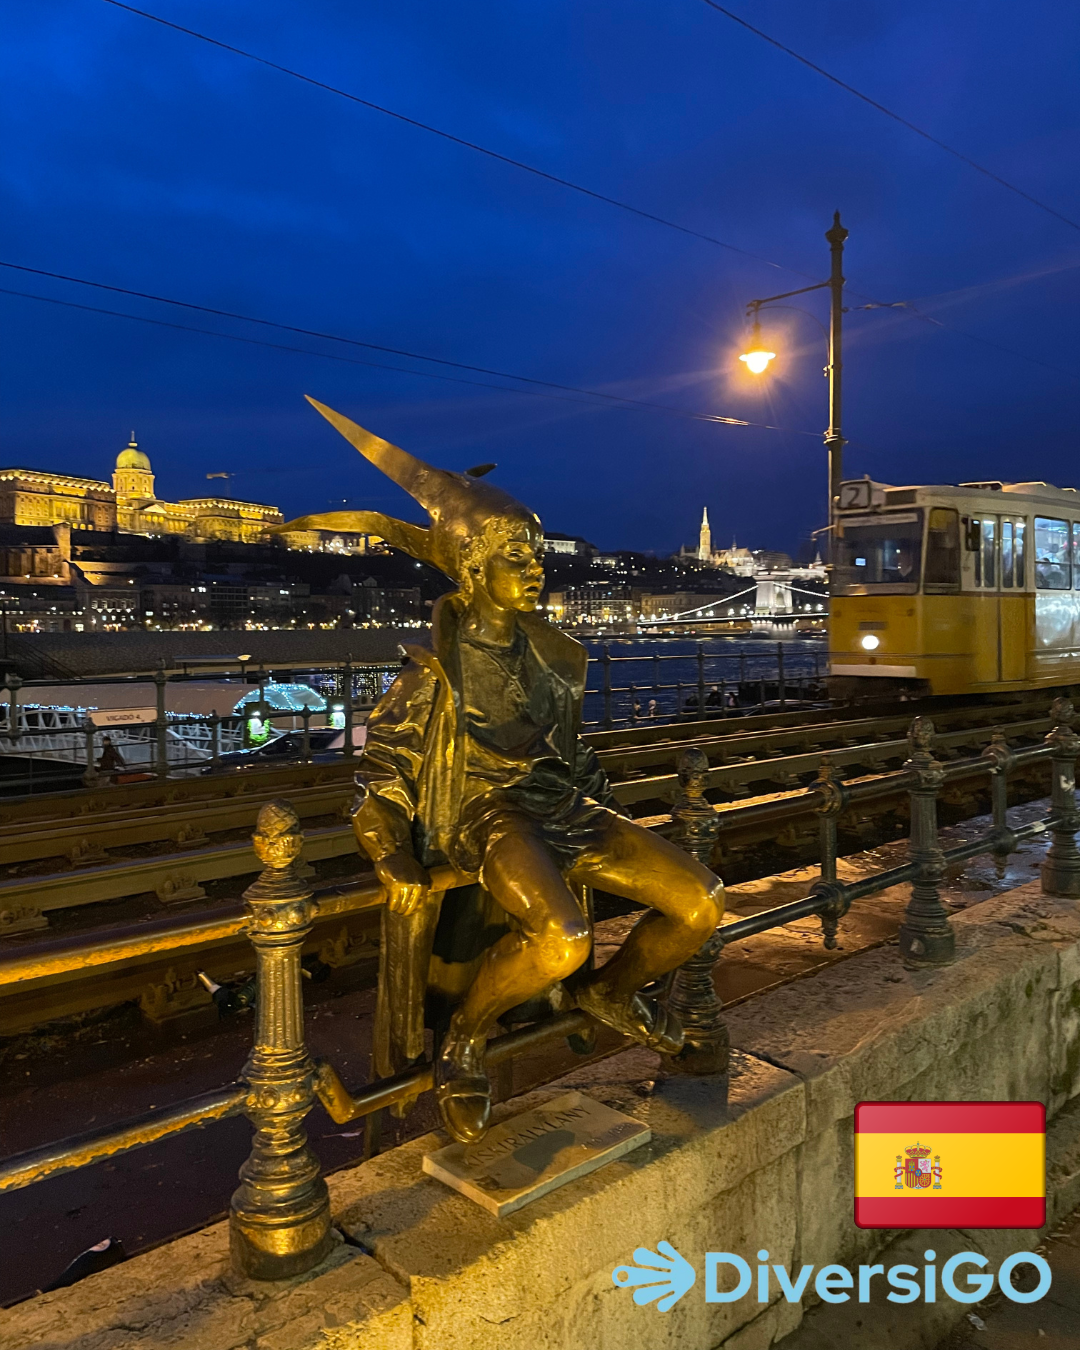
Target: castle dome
x,y
132,458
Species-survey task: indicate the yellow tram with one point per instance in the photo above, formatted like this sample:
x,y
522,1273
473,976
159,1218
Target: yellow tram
x,y
954,590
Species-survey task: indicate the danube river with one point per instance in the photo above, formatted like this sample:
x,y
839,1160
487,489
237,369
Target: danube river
x,y
652,679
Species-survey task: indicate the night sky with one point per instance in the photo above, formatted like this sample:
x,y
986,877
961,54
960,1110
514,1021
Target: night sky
x,y
140,157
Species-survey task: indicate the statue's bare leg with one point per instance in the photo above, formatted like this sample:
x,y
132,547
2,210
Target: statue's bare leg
x,y
551,941
687,903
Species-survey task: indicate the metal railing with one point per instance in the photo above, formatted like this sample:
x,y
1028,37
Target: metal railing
x,y
172,744
717,683
280,1215
720,684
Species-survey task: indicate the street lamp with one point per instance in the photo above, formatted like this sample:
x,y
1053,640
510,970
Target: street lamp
x,y
757,356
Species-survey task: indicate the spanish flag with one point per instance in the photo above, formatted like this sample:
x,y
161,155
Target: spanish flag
x,y
950,1165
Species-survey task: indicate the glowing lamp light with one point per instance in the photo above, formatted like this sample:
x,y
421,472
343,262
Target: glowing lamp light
x,y
757,356
870,643
757,361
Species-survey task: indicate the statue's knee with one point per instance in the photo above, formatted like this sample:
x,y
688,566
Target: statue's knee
x,y
718,901
564,947
705,914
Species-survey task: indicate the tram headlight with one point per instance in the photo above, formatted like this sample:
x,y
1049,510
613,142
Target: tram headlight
x,y
870,643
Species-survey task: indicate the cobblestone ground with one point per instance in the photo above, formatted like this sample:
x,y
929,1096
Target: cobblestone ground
x,y
1051,1324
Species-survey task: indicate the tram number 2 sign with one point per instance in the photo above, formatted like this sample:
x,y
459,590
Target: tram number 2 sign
x,y
858,495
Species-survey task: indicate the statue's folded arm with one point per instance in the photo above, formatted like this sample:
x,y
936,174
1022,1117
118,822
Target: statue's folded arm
x,y
591,780
389,770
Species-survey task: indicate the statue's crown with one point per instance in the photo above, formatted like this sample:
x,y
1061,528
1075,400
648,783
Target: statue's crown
x,y
459,506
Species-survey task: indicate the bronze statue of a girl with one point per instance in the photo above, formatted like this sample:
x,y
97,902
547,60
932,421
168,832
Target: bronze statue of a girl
x,y
473,758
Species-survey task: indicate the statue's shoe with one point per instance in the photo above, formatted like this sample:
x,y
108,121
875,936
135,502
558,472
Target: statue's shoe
x,y
642,1019
464,1097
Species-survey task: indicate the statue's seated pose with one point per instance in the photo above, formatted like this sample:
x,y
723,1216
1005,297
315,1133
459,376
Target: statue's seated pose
x,y
473,757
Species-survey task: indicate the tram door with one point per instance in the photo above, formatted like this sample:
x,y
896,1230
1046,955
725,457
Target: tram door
x,y
1012,606
999,546
987,630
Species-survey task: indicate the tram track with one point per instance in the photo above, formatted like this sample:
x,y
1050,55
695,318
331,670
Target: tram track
x,y
661,739
39,829
168,841
769,815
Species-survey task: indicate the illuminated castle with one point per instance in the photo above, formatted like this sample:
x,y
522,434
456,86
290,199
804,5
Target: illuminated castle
x,y
130,506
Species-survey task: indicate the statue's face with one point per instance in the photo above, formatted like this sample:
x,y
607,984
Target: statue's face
x,y
513,572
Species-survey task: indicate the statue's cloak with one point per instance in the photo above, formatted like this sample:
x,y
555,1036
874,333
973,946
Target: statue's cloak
x,y
411,780
412,774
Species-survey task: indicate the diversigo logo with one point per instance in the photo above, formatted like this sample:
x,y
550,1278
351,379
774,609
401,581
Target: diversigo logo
x,y
918,1165
664,1276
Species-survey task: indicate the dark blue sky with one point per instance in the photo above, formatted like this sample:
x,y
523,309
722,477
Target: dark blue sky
x,y
143,158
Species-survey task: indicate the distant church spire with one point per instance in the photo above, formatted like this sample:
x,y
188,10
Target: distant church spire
x,y
705,537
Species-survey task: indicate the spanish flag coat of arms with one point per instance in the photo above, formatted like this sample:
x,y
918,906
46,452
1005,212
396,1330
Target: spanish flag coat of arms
x,y
950,1165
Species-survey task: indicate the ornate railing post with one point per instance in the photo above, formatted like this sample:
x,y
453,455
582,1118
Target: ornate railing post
x,y
605,661
832,798
347,711
90,774
1061,870
1000,759
280,1216
693,996
161,726
13,683
926,936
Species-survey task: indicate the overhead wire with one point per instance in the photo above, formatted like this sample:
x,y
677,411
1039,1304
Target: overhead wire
x,y
613,201
888,112
496,155
911,308
283,347
969,292
546,385
456,140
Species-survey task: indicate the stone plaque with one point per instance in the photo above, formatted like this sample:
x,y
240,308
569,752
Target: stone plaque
x,y
528,1155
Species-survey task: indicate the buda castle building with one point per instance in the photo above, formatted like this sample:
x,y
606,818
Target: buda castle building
x,y
130,506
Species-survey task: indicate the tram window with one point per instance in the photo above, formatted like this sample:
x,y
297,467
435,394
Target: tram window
x,y
989,533
1076,552
880,551
1019,554
942,548
1012,554
1052,569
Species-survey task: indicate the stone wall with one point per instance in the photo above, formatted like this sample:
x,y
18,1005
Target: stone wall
x,y
422,1268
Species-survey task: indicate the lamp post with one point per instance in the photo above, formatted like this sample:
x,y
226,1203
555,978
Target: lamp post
x,y
758,356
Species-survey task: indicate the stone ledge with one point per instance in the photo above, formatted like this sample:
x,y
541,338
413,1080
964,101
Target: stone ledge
x,y
918,1326
470,1275
772,1167
184,1296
